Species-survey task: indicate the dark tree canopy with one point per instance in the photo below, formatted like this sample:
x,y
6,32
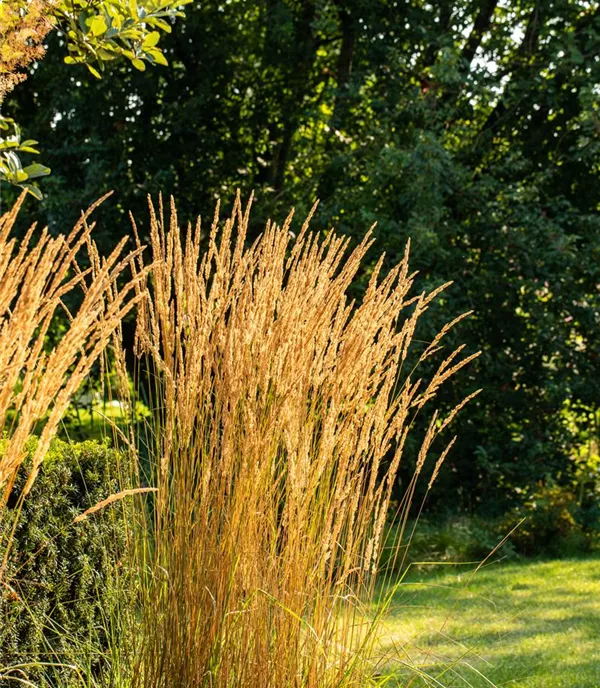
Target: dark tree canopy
x,y
472,127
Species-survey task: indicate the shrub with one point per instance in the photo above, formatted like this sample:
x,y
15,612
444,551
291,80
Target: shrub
x,y
555,522
448,538
58,584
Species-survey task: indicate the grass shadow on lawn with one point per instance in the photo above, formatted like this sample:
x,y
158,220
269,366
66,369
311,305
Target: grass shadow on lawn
x,y
529,624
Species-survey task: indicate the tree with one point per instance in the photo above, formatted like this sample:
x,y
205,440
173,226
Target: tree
x,y
96,32
471,126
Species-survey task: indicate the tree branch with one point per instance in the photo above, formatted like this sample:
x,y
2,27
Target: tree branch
x,y
480,27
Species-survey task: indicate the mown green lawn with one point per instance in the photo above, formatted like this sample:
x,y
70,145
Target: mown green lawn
x,y
532,624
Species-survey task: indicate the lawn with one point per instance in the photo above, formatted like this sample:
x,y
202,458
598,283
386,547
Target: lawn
x,y
534,624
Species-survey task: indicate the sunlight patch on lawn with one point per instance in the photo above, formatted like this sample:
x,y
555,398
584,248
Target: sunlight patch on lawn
x,y
524,625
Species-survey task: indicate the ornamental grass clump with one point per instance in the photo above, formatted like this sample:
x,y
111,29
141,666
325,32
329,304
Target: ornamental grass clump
x,y
281,417
38,381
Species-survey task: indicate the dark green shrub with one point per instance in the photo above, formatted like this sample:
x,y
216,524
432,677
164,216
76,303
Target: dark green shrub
x,y
456,538
61,574
556,522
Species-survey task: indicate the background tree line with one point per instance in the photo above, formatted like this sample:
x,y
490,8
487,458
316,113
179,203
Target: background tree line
x,y
471,127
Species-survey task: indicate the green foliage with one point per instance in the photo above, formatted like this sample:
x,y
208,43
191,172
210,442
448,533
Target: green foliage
x,y
60,582
554,522
563,517
470,127
100,32
11,168
445,539
96,33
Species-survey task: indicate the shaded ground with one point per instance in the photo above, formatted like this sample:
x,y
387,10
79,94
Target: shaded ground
x,y
525,625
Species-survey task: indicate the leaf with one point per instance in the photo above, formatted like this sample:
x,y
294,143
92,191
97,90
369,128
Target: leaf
x,y
138,64
83,25
117,21
107,55
33,190
157,57
94,71
12,160
98,25
151,40
576,56
162,24
36,170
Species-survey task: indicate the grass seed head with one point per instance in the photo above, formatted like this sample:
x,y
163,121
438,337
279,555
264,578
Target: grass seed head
x,y
281,415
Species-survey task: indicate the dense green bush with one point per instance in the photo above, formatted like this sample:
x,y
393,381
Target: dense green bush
x,y
556,521
446,539
60,574
550,520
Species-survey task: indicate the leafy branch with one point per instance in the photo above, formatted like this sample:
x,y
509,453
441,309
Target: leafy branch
x,y
97,32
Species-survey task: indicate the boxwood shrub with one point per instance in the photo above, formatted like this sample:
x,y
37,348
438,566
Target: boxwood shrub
x,y
60,582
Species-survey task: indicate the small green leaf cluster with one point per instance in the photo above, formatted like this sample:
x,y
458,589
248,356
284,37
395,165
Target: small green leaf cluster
x,y
555,521
100,32
11,167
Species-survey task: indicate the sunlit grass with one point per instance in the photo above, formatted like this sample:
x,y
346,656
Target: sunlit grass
x,y
97,421
532,624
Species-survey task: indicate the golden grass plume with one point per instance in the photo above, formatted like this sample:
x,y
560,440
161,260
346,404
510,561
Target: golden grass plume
x,y
37,384
282,413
